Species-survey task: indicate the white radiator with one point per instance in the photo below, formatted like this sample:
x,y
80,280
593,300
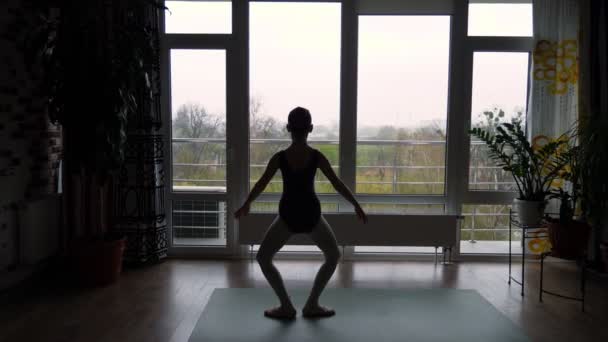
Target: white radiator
x,y
381,230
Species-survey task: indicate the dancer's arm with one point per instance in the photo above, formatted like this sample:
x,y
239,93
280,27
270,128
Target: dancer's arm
x,y
261,184
340,187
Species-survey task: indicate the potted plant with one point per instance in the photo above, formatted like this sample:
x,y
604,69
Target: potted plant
x,y
594,193
569,233
533,166
94,57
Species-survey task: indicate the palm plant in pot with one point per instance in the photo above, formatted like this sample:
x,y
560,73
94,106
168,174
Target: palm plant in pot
x,y
95,61
569,233
534,167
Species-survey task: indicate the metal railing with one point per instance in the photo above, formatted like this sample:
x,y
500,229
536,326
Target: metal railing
x,y
500,182
472,229
188,222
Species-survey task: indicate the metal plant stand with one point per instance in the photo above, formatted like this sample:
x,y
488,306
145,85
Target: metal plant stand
x,y
525,235
583,269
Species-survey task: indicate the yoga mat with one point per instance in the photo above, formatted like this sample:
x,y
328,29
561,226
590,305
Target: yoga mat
x,y
362,315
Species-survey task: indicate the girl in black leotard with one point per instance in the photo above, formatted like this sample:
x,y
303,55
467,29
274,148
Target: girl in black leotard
x,y
299,212
299,207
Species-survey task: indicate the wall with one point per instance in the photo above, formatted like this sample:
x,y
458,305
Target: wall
x,y
30,146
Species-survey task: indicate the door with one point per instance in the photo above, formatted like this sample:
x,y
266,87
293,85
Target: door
x,y
196,58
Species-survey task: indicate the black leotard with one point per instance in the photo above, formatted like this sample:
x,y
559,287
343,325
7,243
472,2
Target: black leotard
x,y
299,207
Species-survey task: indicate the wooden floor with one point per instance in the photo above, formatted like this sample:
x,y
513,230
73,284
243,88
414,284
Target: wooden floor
x,y
163,302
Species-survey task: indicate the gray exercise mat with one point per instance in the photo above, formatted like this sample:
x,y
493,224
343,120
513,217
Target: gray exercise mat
x,y
363,315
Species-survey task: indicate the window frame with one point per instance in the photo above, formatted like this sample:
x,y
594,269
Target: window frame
x,y
415,8
235,91
473,44
328,196
460,73
489,44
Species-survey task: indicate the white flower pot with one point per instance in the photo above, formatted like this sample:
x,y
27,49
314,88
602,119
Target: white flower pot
x,y
529,213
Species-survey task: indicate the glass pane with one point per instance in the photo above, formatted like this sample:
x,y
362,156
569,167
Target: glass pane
x,y
402,104
198,105
496,19
486,230
198,17
199,223
295,249
295,65
399,208
500,86
396,249
273,207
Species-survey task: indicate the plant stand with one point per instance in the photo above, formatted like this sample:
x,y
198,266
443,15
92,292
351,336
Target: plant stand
x,y
525,235
583,269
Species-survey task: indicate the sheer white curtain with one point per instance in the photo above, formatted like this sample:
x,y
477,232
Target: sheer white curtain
x,y
553,106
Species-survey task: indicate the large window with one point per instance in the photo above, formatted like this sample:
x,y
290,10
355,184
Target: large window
x,y
376,76
198,16
488,18
294,61
498,94
198,124
500,86
402,104
198,103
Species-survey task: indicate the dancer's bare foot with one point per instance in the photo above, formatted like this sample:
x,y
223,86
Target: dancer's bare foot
x,y
312,311
281,312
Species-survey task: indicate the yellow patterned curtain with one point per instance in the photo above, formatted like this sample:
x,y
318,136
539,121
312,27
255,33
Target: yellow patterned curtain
x,y
554,82
554,73
556,64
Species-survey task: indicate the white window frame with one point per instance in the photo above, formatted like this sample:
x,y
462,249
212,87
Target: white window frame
x,y
236,45
471,45
236,122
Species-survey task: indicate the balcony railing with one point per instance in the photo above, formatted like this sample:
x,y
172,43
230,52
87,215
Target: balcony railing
x,y
208,226
482,177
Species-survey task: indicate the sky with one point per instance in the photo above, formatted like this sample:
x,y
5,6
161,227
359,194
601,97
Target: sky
x,y
295,61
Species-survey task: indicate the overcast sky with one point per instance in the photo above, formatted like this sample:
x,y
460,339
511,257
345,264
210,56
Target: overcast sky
x,y
295,61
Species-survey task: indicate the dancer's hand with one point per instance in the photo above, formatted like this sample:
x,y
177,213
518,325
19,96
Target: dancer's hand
x,y
360,214
243,211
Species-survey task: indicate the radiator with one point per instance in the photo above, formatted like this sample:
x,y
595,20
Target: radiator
x,y
381,230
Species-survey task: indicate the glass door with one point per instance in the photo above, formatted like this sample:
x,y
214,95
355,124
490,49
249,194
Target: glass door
x,y
198,148
196,56
496,88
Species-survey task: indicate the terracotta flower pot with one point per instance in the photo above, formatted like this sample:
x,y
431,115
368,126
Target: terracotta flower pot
x,y
98,262
568,241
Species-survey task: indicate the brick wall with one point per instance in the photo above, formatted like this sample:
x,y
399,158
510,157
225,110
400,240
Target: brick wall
x,y
30,146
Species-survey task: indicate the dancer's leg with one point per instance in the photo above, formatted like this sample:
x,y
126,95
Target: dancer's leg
x,y
324,237
275,238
